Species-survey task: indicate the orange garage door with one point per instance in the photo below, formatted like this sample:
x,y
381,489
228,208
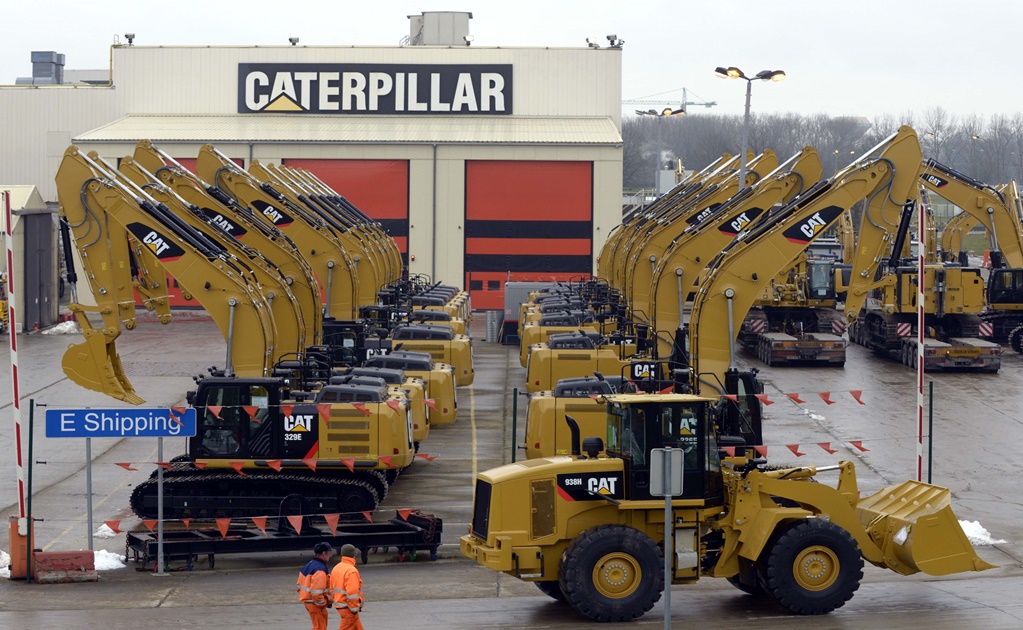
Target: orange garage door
x,y
526,221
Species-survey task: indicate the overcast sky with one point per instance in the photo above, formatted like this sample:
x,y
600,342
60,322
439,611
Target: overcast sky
x,y
860,58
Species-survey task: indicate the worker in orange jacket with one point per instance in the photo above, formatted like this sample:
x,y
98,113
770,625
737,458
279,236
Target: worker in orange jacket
x,y
346,588
314,586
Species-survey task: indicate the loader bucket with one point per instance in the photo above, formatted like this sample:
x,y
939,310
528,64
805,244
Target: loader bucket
x,y
914,527
95,365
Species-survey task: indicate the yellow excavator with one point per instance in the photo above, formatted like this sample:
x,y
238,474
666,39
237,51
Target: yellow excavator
x,y
589,529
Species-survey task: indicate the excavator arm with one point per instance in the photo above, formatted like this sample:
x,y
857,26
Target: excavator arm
x,y
992,208
92,196
639,268
334,268
675,277
239,222
885,176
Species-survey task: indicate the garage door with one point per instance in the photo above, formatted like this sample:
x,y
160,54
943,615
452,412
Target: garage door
x,y
526,221
379,188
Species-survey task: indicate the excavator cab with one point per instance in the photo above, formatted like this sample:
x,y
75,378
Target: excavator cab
x,y
1005,288
636,424
820,280
227,429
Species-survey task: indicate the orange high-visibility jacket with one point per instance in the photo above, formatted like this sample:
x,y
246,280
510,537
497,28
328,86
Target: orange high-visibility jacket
x,y
346,585
314,583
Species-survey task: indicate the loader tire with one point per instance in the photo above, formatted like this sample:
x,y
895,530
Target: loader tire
x,y
1016,339
813,567
612,573
552,589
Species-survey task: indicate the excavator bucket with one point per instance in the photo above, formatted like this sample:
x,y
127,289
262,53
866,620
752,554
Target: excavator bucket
x,y
914,527
95,365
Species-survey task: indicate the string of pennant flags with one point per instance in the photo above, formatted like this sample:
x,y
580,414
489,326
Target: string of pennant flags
x,y
857,395
224,524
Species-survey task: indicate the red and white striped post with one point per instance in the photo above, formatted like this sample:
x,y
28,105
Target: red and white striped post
x,y
12,326
921,250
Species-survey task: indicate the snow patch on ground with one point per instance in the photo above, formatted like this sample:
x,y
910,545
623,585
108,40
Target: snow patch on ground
x,y
814,416
107,560
977,534
5,564
104,531
63,328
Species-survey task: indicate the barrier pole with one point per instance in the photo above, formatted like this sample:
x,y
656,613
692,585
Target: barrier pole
x,y
12,323
920,250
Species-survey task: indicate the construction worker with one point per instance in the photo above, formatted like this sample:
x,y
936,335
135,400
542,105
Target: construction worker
x,y
346,587
314,586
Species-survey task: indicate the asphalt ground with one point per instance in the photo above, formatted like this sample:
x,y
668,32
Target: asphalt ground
x,y
976,430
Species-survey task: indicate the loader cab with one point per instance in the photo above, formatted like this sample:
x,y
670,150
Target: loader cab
x,y
637,423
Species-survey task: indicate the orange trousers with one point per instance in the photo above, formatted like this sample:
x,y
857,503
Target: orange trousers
x,y
320,616
349,621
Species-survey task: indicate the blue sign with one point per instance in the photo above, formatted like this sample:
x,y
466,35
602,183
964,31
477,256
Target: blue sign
x,y
120,423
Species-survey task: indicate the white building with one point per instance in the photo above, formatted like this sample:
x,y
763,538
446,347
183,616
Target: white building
x,y
485,164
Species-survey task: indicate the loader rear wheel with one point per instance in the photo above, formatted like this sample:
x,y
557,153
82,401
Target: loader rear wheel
x,y
552,589
611,573
813,567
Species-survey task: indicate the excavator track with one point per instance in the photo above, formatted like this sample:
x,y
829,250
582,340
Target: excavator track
x,y
190,492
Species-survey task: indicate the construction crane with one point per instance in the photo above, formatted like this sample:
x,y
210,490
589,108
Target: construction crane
x,y
667,111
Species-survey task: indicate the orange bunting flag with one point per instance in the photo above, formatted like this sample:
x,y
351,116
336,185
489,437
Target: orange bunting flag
x,y
431,403
795,398
296,522
179,410
826,397
223,524
393,404
149,523
287,409
173,416
666,390
856,393
827,447
114,525
349,463
274,463
324,410
251,410
215,410
731,397
594,396
369,516
199,465
332,520
164,465
126,466
763,398
404,513
795,449
362,407
260,522
428,458
729,450
859,444
238,467
386,461
187,522
761,449
310,462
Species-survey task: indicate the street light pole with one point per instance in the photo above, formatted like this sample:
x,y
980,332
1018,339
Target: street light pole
x,y
764,75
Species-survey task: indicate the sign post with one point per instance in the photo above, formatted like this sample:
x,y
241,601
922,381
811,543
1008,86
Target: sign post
x,y
122,423
666,470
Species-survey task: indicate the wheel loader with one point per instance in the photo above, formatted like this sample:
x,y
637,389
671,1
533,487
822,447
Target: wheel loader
x,y
588,532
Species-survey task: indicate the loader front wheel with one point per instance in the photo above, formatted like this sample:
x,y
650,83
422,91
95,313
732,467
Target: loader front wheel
x,y
813,567
612,573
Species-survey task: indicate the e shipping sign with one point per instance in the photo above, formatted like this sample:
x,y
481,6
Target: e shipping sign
x,y
120,423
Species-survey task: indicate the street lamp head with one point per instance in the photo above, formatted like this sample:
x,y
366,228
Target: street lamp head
x,y
730,72
771,75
